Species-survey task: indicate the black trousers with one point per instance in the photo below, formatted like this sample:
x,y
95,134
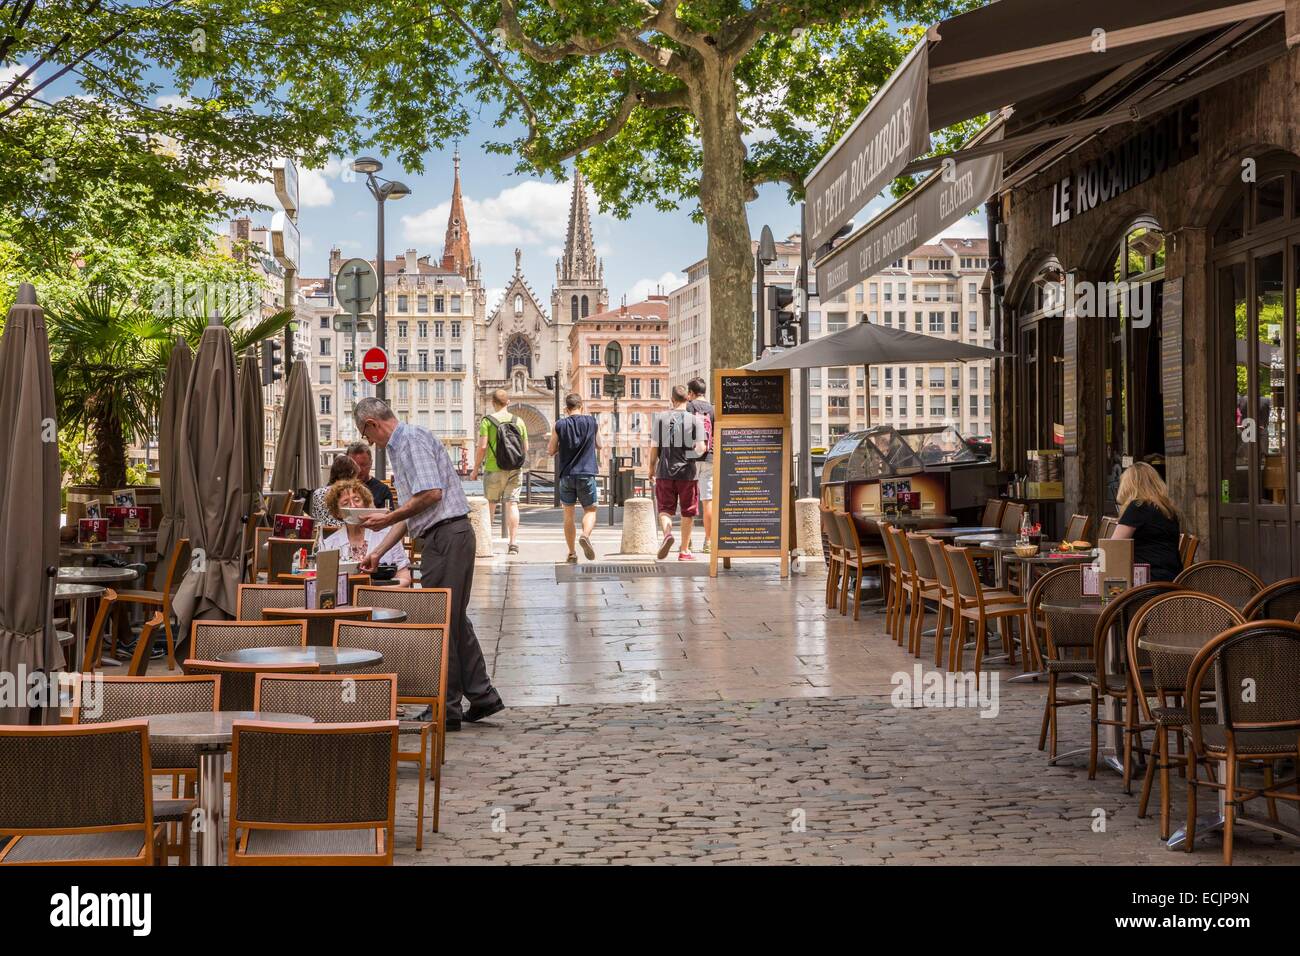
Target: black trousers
x,y
447,561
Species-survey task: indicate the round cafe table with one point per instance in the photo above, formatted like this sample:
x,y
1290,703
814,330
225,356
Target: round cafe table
x,y
75,550
103,575
329,659
320,621
983,539
914,520
209,732
80,595
1047,557
952,534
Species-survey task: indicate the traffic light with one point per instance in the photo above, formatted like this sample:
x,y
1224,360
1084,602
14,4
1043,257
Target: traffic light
x,y
781,317
271,361
550,383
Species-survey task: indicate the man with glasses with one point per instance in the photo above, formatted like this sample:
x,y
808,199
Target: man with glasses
x,y
433,508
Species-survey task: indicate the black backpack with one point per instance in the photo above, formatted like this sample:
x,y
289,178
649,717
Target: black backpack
x,y
509,447
679,455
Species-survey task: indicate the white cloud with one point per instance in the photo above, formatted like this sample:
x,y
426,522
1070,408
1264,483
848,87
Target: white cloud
x,y
172,101
314,188
529,214
12,71
644,288
263,192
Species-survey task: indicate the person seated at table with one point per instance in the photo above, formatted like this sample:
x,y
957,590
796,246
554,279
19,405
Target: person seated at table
x,y
355,541
343,468
1147,515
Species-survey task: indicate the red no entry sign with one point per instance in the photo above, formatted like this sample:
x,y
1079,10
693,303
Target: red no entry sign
x,y
374,365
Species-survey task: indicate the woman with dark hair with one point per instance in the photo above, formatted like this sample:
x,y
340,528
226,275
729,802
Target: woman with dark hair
x,y
342,469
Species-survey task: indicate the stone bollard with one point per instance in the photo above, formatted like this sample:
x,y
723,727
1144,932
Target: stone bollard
x,y
640,536
808,526
480,519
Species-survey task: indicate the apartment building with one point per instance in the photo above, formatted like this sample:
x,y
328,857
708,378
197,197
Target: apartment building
x,y
641,330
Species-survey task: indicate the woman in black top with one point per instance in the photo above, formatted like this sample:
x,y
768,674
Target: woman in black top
x,y
1148,517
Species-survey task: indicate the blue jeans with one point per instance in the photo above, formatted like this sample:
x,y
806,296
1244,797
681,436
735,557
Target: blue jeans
x,y
573,487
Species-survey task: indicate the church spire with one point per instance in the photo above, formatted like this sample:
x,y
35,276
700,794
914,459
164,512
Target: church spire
x,y
579,263
456,254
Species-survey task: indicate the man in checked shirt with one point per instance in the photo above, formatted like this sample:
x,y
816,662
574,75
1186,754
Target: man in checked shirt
x,y
433,509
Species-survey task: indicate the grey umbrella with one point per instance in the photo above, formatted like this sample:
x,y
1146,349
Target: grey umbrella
x,y
211,469
29,500
171,526
297,456
254,429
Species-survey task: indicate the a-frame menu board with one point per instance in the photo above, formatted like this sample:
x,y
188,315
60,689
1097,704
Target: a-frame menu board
x,y
751,467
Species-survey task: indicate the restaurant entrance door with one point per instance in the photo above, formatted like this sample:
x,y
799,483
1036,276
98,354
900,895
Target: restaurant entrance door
x,y
1255,279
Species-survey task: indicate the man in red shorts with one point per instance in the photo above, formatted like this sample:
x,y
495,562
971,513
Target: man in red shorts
x,y
679,442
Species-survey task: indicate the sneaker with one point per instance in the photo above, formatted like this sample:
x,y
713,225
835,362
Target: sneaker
x,y
587,549
665,546
705,549
513,549
685,556
571,559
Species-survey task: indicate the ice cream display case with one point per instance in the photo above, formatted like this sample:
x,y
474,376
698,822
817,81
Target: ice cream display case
x,y
917,472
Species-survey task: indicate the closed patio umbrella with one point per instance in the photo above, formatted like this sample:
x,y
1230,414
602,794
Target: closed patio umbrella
x,y
211,469
171,526
297,456
29,500
253,430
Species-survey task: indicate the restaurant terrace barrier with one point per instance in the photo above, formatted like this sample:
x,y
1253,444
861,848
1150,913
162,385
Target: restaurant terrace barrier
x,y
808,526
639,533
480,519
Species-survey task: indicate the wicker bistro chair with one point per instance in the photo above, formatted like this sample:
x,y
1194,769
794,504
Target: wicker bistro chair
x,y
95,636
1260,728
1223,579
855,562
1077,528
210,639
279,555
980,611
252,524
177,564
313,794
1107,528
253,599
834,551
1011,516
139,663
128,698
1188,544
102,779
1064,643
418,654
320,622
992,517
257,561
925,585
1117,678
1279,601
236,687
421,605
1180,613
328,698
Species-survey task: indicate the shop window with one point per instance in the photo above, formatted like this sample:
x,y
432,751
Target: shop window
x,y
1270,200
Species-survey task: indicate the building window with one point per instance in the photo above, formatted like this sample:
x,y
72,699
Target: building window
x,y
324,403
455,390
403,303
325,377
439,389
593,388
455,330
456,361
422,303
439,304
654,355
936,322
403,360
324,321
585,310
635,358
439,360
422,360
422,389
593,354
916,322
654,388
519,354
324,346
636,388
573,309
402,330
455,304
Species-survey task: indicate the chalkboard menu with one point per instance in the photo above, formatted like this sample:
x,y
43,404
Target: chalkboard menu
x,y
1171,366
1069,381
751,494
753,394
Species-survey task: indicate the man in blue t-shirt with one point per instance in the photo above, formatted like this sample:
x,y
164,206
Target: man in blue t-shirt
x,y
574,444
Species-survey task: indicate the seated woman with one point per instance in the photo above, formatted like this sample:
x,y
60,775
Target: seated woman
x,y
1147,515
341,469
354,541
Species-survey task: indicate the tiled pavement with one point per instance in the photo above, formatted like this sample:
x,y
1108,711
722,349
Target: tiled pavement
x,y
690,720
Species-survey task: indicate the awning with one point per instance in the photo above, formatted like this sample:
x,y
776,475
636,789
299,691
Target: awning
x,y
941,199
1003,53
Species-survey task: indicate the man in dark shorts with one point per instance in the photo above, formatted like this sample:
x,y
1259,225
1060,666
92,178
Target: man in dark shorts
x,y
574,444
678,444
695,389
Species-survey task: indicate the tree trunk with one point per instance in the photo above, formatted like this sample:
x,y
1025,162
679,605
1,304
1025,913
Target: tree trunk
x,y
110,450
723,197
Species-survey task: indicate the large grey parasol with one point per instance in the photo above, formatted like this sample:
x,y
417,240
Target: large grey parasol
x,y
869,344
29,501
211,468
253,430
297,456
171,527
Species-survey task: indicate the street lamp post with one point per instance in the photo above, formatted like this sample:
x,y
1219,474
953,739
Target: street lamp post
x,y
765,257
383,190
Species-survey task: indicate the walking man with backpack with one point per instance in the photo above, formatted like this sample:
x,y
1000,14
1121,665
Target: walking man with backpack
x,y
575,444
500,456
696,388
679,441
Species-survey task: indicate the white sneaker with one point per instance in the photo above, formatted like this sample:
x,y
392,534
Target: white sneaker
x,y
665,546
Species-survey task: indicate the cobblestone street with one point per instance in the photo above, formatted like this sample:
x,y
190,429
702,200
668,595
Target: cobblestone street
x,y
766,734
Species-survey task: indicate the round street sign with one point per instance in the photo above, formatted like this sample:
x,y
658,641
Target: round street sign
x,y
613,358
374,365
356,286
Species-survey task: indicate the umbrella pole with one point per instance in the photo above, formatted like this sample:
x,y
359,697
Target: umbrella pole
x,y
866,372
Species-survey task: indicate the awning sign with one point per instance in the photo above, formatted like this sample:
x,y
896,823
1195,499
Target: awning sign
x,y
938,202
893,130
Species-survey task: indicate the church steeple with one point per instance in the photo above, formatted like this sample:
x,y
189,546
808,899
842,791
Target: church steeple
x,y
456,254
579,264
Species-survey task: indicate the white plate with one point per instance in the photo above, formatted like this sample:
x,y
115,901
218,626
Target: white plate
x,y
354,515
